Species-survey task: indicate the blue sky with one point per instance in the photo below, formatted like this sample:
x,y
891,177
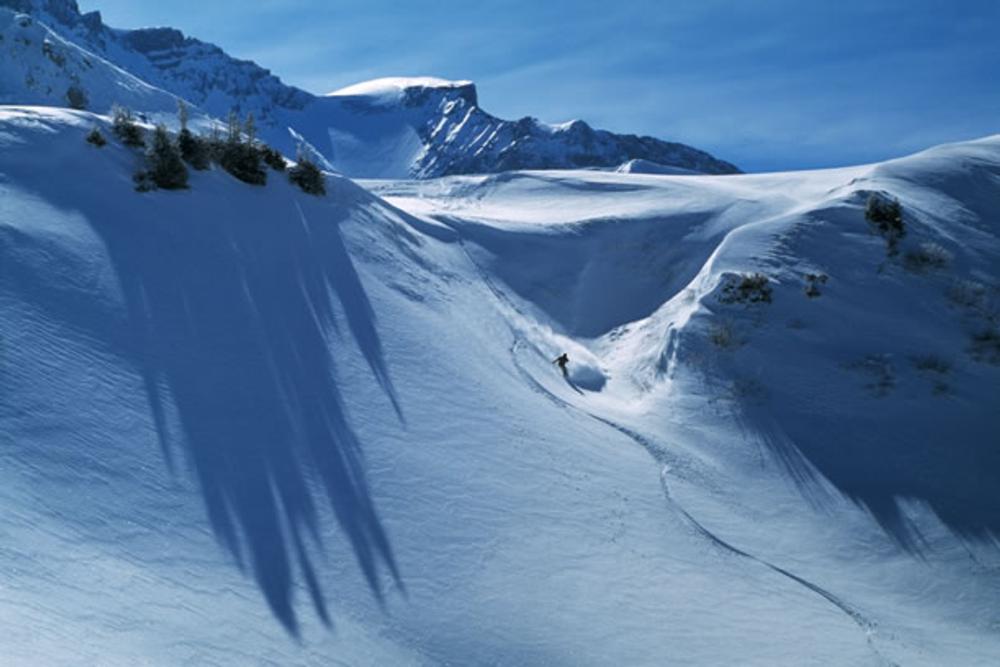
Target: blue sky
x,y
767,84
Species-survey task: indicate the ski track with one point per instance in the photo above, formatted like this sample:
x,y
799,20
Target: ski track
x,y
659,454
662,455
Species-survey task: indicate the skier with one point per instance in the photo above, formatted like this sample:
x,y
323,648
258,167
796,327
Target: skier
x,y
562,360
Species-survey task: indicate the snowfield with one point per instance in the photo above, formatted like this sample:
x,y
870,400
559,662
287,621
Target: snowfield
x,y
245,425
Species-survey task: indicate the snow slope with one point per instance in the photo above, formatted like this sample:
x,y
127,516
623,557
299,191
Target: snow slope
x,y
40,67
246,425
389,128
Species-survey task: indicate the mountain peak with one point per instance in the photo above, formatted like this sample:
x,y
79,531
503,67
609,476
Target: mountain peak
x,y
409,90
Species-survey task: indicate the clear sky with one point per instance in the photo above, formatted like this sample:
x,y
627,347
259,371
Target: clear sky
x,y
767,84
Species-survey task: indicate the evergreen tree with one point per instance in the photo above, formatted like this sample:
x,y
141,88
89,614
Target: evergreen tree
x,y
241,158
250,129
167,169
271,157
194,149
182,113
886,218
308,177
96,138
125,128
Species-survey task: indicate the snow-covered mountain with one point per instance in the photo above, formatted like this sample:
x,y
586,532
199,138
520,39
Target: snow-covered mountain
x,y
247,425
391,128
40,67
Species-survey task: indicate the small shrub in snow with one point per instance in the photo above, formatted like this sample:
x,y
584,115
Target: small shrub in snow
x,y
76,97
986,344
879,371
886,218
936,369
723,334
813,281
143,182
927,257
95,138
167,169
745,288
125,128
308,177
271,157
931,363
967,294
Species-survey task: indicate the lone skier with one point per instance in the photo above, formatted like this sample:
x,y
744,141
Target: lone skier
x,y
562,360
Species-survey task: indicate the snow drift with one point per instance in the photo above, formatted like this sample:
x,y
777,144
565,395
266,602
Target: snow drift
x,y
245,424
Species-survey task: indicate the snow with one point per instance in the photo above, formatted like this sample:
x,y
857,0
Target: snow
x,y
397,127
392,87
246,424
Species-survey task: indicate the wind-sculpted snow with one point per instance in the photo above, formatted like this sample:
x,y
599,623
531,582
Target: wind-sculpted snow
x,y
244,424
228,318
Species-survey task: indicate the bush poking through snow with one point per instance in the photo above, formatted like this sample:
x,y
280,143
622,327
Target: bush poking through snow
x,y
271,157
878,369
308,177
986,345
745,288
125,128
143,182
928,257
166,169
813,281
968,294
95,138
723,334
886,218
76,97
936,369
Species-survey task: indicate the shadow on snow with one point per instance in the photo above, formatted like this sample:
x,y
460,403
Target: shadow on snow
x,y
229,318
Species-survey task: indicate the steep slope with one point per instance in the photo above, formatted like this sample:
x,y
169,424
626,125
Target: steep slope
x,y
249,425
390,128
164,58
40,67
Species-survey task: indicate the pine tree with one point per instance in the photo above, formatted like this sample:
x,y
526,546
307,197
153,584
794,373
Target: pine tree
x,y
250,129
167,169
96,138
886,218
194,149
307,176
271,157
125,128
182,113
241,158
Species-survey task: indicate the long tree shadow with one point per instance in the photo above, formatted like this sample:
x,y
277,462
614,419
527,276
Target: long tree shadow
x,y
228,319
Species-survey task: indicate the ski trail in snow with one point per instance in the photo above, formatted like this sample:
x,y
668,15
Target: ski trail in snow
x,y
665,458
660,454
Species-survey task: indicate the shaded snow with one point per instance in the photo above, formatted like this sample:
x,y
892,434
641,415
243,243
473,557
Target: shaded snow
x,y
237,416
